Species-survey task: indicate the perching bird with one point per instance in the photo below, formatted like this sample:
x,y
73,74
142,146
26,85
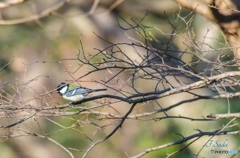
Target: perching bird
x,y
74,93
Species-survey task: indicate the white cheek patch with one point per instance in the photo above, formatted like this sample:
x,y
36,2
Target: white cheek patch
x,y
63,90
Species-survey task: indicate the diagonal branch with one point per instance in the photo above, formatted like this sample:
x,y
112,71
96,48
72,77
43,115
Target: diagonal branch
x,y
113,131
197,135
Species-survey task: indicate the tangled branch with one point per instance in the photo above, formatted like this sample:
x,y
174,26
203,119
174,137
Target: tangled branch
x,y
138,77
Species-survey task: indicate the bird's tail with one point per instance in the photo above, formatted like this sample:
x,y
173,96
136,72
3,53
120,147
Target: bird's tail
x,y
98,90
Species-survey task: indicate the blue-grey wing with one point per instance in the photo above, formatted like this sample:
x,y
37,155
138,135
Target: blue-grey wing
x,y
78,91
82,91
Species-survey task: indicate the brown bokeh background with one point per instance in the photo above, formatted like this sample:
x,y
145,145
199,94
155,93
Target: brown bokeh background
x,y
39,54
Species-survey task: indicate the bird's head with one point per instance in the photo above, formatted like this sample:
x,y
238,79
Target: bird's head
x,y
62,88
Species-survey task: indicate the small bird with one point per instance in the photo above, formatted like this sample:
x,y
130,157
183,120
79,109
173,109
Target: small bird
x,y
74,93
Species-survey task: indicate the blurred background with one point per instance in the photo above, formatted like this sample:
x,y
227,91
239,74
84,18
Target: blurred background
x,y
37,55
